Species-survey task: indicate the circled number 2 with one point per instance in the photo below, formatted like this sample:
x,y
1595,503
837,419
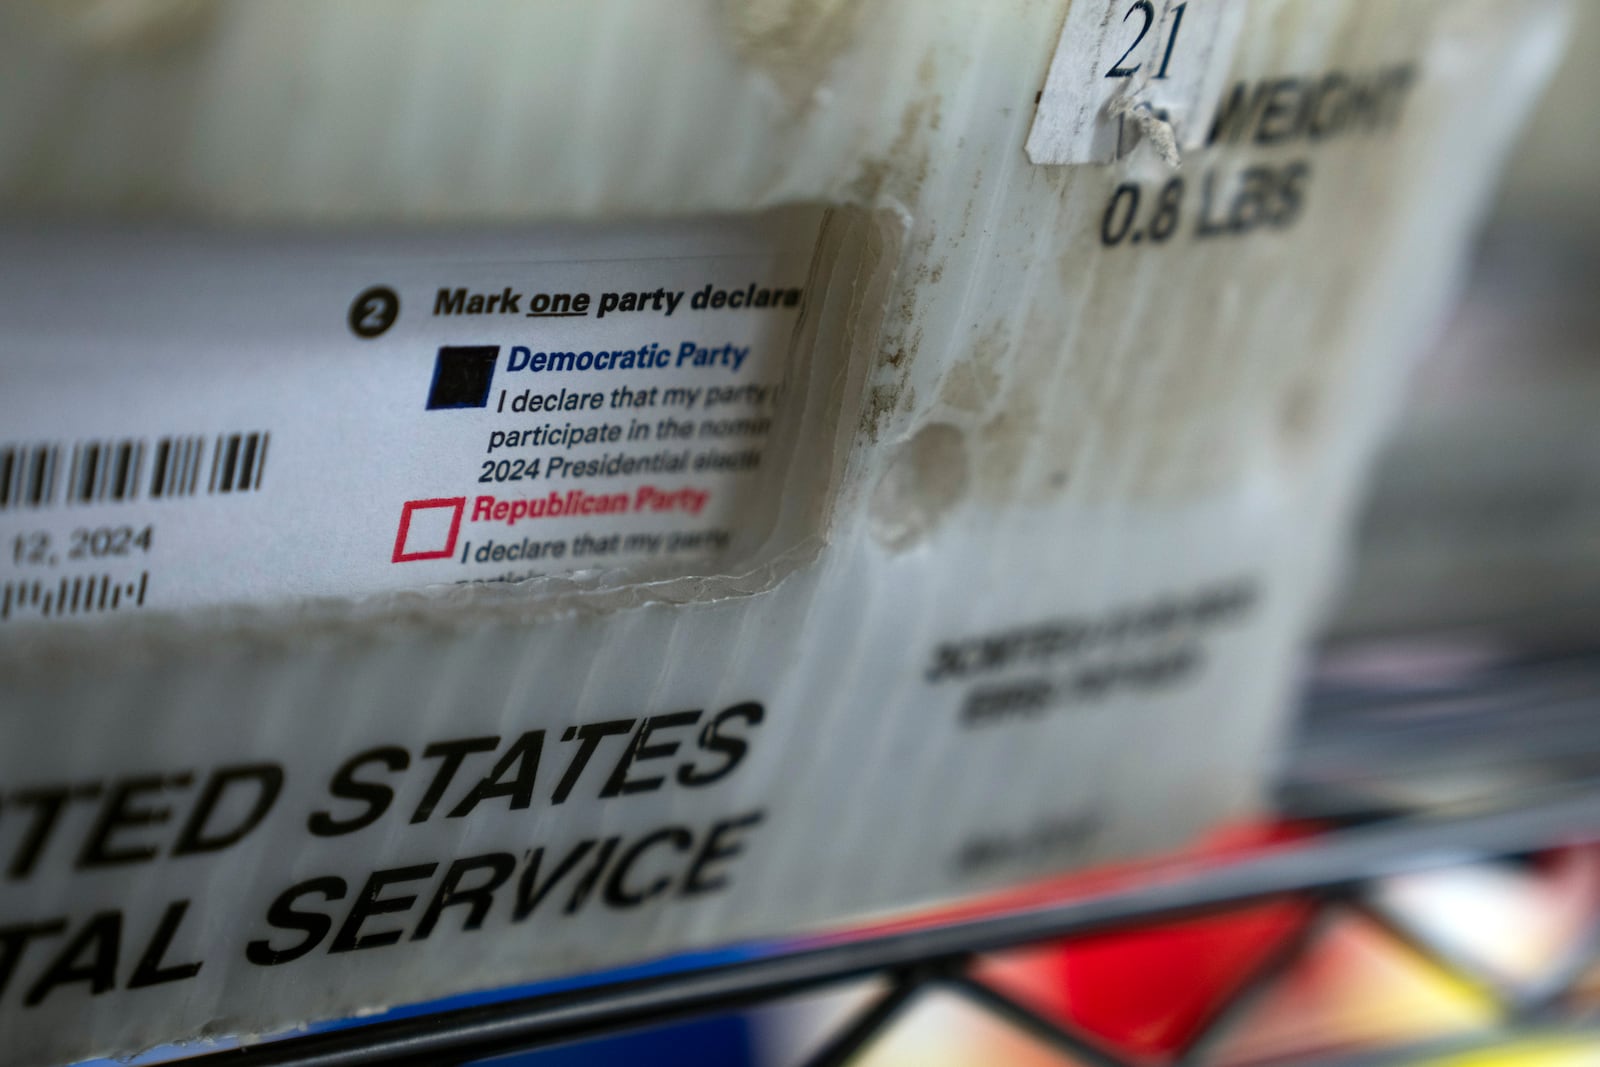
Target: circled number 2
x,y
373,311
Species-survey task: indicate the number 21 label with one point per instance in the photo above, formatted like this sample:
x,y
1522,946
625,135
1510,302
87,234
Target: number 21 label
x,y
1171,55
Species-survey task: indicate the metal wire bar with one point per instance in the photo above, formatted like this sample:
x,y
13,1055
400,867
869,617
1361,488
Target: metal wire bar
x,y
1024,1017
1215,1030
870,1022
1341,860
1490,986
1544,1001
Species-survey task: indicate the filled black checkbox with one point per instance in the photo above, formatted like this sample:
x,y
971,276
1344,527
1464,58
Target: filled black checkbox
x,y
462,375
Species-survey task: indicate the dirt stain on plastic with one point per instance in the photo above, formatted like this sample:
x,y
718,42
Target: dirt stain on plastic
x,y
793,40
926,480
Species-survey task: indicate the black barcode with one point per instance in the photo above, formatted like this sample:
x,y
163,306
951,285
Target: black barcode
x,y
84,595
28,475
105,471
117,470
177,466
237,462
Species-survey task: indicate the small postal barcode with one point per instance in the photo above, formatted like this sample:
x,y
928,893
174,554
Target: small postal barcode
x,y
41,475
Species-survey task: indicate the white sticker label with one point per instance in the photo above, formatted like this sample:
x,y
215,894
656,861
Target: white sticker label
x,y
194,420
1167,56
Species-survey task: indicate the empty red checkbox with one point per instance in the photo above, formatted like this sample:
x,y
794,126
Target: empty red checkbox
x,y
428,529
